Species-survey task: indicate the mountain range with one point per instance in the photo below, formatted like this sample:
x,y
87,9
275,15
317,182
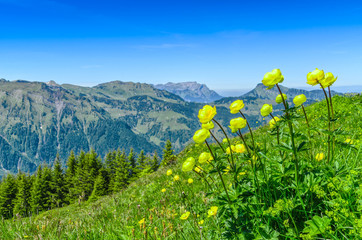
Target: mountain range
x,y
190,91
39,120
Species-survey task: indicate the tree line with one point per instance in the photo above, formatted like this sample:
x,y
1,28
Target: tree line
x,y
86,177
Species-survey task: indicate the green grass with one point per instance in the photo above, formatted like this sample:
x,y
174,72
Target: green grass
x,y
331,193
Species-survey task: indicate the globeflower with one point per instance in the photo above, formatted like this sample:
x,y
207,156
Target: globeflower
x,y
176,178
273,122
169,172
190,180
319,156
272,78
201,222
236,106
201,135
208,126
240,148
141,221
224,140
205,157
228,149
328,80
299,100
207,113
198,169
188,165
279,98
212,211
315,77
237,123
266,110
185,215
163,190
349,141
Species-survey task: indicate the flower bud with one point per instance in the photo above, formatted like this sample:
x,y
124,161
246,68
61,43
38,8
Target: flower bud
x,y
240,148
273,122
266,109
188,165
279,98
208,126
237,123
272,78
315,77
236,106
299,100
201,135
207,113
205,157
328,80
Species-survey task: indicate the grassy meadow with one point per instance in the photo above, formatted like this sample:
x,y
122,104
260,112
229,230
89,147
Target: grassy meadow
x,y
263,190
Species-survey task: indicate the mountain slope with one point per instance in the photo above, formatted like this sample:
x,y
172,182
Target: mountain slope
x,y
119,216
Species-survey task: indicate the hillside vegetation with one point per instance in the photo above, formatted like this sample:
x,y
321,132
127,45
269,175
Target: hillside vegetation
x,y
263,194
40,120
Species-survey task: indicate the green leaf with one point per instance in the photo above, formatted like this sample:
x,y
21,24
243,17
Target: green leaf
x,y
317,225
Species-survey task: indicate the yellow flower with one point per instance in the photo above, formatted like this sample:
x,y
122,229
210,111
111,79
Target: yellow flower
x,y
207,113
205,157
208,126
242,173
224,140
185,215
188,165
315,77
319,156
272,78
142,221
349,141
201,222
240,148
43,227
236,106
228,149
198,169
299,100
237,123
176,178
279,99
201,135
273,121
163,190
212,211
190,180
328,80
266,110
169,172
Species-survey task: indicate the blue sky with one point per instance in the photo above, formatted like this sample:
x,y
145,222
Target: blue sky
x,y
225,44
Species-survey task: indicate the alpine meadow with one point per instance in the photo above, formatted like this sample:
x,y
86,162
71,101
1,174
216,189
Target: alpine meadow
x,y
253,168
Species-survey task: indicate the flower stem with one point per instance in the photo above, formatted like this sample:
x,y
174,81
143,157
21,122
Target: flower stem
x,y
231,152
280,152
242,138
333,127
218,170
329,124
251,132
217,141
310,139
291,136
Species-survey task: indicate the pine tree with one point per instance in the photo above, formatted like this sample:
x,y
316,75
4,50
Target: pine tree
x,y
42,192
141,161
168,156
100,185
154,162
58,184
121,178
132,165
70,179
8,193
22,200
110,161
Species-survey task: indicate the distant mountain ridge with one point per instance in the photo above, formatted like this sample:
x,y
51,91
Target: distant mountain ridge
x,y
39,120
190,91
